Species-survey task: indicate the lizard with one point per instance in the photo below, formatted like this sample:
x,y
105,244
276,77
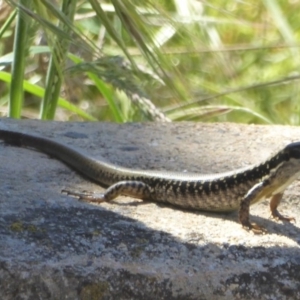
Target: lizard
x,y
221,192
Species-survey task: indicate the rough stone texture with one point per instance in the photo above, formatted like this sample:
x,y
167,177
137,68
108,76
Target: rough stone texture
x,y
54,247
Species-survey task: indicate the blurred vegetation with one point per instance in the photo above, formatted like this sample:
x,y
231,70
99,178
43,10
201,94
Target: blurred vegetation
x,y
165,60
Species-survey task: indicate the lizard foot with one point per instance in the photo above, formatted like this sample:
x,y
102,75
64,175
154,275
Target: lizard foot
x,y
278,216
85,196
255,228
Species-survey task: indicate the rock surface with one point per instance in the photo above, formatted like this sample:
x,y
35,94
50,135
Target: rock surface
x,y
55,247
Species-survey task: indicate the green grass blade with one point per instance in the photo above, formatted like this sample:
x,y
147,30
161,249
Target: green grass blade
x,y
104,89
280,20
39,92
57,62
8,22
18,66
207,112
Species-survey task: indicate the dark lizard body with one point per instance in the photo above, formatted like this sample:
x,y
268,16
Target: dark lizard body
x,y
221,192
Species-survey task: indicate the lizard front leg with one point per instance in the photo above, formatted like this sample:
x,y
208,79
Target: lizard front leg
x,y
275,201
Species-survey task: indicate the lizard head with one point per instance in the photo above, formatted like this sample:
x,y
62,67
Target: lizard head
x,y
293,150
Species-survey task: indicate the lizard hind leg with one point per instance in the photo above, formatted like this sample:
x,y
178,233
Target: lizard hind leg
x,y
136,189
274,203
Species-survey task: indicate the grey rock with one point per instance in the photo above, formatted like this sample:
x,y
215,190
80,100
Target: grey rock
x,y
55,247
